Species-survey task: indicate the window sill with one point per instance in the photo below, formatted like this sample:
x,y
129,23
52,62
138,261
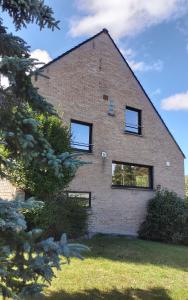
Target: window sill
x,y
81,151
132,133
119,187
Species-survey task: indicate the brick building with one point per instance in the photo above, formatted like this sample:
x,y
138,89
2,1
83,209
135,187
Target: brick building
x,y
116,125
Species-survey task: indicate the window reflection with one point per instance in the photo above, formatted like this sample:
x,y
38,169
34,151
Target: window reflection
x,y
130,175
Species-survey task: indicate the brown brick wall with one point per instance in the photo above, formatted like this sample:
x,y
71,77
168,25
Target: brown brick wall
x,y
76,87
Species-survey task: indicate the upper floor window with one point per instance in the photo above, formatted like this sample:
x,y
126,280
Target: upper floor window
x,y
133,120
132,175
81,136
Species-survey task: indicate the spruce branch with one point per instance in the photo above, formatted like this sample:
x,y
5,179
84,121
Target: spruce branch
x,y
24,12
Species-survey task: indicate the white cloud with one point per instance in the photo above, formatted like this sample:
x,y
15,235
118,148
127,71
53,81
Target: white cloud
x,y
140,66
4,82
176,102
128,53
156,92
123,17
42,56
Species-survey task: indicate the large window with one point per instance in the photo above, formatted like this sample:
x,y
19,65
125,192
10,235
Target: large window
x,y
84,198
132,175
81,136
133,120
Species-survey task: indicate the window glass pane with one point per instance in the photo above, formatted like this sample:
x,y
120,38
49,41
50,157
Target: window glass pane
x,y
80,136
132,120
131,175
83,198
142,176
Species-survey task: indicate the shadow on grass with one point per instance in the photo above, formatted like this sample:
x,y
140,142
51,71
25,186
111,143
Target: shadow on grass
x,y
95,294
138,251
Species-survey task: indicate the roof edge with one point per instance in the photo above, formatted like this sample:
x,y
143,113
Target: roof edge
x,y
104,30
75,47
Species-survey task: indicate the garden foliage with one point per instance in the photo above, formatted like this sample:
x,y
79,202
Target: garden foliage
x,y
60,214
26,262
38,180
166,219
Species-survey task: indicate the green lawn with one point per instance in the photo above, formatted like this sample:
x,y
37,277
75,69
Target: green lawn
x,y
119,268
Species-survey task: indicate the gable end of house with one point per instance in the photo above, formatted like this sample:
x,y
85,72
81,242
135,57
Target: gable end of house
x,y
133,74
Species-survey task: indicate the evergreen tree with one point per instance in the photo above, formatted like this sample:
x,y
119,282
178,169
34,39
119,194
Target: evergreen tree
x,y
38,180
26,261
20,134
24,258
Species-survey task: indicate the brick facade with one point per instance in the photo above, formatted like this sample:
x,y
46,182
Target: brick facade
x,y
7,190
76,85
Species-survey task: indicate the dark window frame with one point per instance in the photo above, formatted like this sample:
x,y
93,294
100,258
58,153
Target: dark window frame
x,y
90,145
139,111
151,176
80,192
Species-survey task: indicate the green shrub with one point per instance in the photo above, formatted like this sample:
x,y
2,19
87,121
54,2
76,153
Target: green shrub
x,y
167,218
60,214
38,180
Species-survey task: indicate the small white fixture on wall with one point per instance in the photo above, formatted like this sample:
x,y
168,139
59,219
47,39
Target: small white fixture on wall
x,y
111,108
103,154
168,164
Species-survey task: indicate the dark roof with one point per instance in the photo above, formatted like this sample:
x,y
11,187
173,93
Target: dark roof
x,y
93,37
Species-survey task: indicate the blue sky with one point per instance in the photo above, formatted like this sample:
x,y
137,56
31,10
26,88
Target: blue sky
x,y
152,35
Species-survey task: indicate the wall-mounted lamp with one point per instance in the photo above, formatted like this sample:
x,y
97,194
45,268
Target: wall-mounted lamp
x,y
103,154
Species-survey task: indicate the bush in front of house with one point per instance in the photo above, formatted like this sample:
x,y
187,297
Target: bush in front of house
x,y
166,219
60,214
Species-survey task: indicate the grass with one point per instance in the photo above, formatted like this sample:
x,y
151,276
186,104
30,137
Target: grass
x,y
118,268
